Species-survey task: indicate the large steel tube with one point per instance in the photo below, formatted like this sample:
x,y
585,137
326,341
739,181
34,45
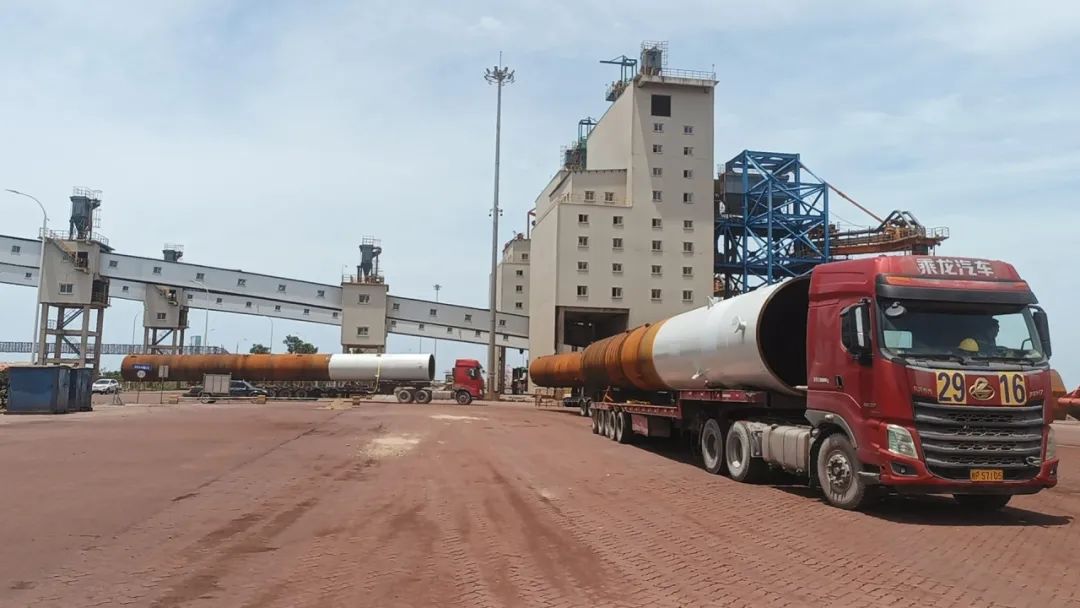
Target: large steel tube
x,y
358,367
756,340
561,370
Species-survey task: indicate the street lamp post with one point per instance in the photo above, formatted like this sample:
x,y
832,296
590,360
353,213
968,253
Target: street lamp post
x,y
498,76
134,318
206,317
435,342
35,355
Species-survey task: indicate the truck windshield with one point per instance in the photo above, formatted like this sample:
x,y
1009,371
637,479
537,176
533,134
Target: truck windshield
x,y
950,330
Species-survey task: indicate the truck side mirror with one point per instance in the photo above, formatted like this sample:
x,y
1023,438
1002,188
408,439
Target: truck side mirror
x,y
855,331
1042,326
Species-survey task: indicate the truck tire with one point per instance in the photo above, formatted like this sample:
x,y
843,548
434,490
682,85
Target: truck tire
x,y
595,416
423,396
301,393
741,465
838,470
624,433
583,405
711,443
403,395
609,424
982,502
463,398
205,397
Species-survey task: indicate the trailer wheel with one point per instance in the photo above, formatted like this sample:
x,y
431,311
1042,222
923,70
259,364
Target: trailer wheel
x,y
982,502
609,424
595,416
423,396
712,446
741,465
205,397
300,393
583,405
403,395
838,470
463,397
624,433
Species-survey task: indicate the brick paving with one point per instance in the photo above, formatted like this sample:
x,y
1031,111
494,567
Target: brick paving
x,y
306,504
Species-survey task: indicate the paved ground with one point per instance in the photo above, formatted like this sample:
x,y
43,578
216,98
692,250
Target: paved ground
x,y
392,505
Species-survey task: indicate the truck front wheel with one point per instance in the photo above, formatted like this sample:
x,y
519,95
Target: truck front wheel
x,y
838,470
982,502
712,446
464,398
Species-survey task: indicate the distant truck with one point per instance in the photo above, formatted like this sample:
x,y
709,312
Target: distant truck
x,y
905,374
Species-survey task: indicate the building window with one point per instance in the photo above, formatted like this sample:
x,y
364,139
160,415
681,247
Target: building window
x,y
15,249
616,268
609,197
657,222
656,270
590,195
616,220
162,316
688,247
335,314
687,271
688,224
688,151
658,148
218,301
393,323
661,105
502,322
655,294
687,295
519,306
157,269
277,308
113,264
241,282
420,326
582,291
582,241
396,306
583,218
687,197
688,173
657,171
657,196
200,276
658,127
433,312
583,266
616,293
616,243
524,257
190,296
477,334
307,311
505,337
281,288
362,331
364,299
468,317
125,289
657,246
519,273
67,287
247,304
449,330
28,276
687,130
320,293
519,288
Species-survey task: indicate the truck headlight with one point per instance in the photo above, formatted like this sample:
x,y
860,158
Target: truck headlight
x,y
900,441
1051,445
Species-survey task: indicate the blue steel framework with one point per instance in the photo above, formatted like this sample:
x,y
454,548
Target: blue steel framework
x,y
774,225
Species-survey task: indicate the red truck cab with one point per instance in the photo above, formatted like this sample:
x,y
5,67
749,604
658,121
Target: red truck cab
x,y
940,378
468,380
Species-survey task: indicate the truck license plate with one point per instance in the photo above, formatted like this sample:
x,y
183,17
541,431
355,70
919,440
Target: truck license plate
x,y
987,475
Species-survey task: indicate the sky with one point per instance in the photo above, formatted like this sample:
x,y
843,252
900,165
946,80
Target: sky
x,y
272,135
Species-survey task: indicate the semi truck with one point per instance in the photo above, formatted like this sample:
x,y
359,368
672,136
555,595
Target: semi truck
x,y
409,377
893,374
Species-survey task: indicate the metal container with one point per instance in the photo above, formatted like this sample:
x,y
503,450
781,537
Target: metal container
x,y
39,389
561,370
367,367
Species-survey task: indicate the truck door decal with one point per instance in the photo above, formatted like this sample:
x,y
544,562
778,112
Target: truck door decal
x,y
950,387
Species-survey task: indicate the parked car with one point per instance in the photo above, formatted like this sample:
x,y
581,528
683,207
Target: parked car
x,y
237,388
105,386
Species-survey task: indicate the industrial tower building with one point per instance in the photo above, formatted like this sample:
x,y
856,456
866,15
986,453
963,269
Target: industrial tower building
x,y
624,230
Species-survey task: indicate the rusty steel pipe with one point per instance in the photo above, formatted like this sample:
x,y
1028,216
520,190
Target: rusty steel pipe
x,y
561,370
285,368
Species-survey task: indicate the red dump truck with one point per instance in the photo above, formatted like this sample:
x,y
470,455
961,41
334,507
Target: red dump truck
x,y
906,374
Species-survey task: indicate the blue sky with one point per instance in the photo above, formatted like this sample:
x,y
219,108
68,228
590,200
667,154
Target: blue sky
x,y
271,136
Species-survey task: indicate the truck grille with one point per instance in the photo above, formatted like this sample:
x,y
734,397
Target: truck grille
x,y
956,439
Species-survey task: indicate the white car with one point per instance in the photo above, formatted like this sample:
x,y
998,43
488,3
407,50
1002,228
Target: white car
x,y
105,385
